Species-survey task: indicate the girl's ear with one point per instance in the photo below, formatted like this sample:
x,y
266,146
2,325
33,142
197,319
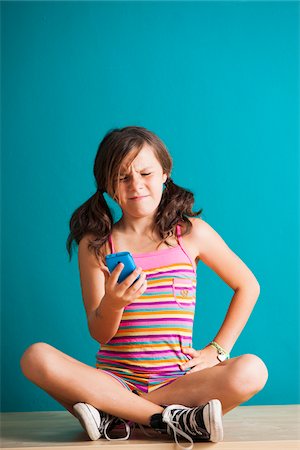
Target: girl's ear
x,y
165,176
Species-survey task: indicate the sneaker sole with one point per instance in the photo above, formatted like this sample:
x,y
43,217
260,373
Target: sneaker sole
x,y
215,419
88,423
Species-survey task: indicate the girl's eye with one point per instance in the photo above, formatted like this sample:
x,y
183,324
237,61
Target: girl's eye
x,y
126,177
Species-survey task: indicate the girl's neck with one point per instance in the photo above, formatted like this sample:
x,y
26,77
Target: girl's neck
x,y
136,236
140,227
139,239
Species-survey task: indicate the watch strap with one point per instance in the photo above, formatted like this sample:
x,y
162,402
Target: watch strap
x,y
222,354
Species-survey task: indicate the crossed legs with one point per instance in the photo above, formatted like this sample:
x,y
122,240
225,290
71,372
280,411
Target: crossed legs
x,y
70,381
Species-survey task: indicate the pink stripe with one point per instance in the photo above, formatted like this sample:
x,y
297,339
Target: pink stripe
x,y
116,378
168,273
153,303
137,368
159,319
146,337
152,322
165,287
169,286
143,353
171,303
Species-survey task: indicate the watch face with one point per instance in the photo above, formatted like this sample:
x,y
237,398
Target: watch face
x,y
221,357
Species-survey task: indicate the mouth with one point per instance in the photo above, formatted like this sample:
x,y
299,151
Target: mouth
x,y
138,198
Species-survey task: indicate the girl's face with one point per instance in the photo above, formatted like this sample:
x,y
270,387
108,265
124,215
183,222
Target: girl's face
x,y
141,184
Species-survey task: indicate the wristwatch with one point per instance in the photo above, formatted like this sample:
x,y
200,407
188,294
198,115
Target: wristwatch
x,y
222,354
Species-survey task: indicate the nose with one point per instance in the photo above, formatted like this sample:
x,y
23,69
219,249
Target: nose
x,y
136,181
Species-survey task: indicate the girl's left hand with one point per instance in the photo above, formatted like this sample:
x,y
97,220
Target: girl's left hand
x,y
201,359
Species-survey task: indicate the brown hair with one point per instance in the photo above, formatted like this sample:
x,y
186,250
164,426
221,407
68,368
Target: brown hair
x,y
94,216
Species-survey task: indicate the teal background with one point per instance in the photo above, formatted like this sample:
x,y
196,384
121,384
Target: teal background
x,y
219,83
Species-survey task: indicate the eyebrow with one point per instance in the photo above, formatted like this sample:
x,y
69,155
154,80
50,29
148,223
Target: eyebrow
x,y
140,170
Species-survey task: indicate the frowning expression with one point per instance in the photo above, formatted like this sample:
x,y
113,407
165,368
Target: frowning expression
x,y
140,184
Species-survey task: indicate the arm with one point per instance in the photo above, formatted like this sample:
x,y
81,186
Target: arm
x,y
215,253
103,321
238,313
105,299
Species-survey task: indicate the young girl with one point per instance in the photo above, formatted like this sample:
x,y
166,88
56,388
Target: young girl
x,y
147,370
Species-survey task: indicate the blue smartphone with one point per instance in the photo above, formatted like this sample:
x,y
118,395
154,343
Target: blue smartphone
x,y
126,258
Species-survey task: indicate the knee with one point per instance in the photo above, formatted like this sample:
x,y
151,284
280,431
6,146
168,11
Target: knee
x,y
34,359
249,375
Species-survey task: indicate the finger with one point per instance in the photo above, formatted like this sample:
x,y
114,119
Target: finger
x,y
190,351
136,290
195,369
138,285
105,272
131,278
142,288
187,365
116,272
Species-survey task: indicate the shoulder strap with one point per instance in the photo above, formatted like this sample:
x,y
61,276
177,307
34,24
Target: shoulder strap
x,y
180,242
112,247
178,234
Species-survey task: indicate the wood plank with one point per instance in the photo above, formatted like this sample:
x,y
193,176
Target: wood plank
x,y
288,445
245,428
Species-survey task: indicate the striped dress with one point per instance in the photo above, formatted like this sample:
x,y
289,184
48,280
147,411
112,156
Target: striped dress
x,y
147,349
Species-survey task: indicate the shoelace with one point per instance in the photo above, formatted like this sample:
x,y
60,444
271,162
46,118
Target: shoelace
x,y
141,427
129,426
172,420
107,421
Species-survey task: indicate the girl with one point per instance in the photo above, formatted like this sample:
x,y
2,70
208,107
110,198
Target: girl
x,y
144,327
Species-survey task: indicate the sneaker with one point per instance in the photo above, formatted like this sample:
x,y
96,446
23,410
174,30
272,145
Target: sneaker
x,y
98,423
203,423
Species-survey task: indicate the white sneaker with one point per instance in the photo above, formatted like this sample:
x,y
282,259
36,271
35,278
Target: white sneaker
x,y
203,423
98,423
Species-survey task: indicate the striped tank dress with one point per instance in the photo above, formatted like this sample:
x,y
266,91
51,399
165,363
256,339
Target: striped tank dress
x,y
147,349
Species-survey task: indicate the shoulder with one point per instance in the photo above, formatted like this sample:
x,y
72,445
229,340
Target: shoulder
x,y
84,243
213,251
202,237
199,226
200,229
196,240
86,254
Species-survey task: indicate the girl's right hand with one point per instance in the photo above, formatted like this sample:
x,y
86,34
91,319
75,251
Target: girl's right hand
x,y
122,294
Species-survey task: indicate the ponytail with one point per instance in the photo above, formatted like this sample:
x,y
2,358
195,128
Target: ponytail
x,y
92,217
175,207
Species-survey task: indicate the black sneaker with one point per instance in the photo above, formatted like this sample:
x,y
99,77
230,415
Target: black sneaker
x,y
97,423
203,423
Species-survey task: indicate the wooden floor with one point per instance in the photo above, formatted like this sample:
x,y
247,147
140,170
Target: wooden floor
x,y
245,428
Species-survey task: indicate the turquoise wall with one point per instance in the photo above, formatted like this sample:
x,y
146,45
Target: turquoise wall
x,y
218,82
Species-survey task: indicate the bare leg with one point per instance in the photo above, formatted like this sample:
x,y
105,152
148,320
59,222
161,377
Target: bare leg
x,y
232,382
70,381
